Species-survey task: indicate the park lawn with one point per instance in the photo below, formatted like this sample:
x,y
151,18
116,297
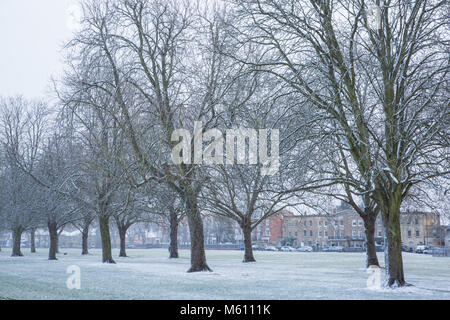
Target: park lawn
x,y
149,274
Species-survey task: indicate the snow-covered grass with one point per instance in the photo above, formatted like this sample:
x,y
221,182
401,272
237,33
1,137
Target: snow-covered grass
x,y
149,274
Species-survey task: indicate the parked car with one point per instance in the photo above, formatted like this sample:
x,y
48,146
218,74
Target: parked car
x,y
405,248
428,251
287,249
336,249
304,249
270,248
258,247
421,248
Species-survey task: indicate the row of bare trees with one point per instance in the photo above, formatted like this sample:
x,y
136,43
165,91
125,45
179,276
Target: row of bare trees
x,y
361,112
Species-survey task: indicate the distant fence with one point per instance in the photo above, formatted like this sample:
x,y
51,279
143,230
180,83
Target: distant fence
x,y
441,252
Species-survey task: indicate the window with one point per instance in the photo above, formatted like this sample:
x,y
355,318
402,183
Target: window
x,y
342,234
268,233
326,233
304,223
360,223
354,223
408,221
335,234
354,233
342,222
296,233
417,233
409,233
325,223
304,233
320,234
335,223
320,222
310,233
310,223
379,233
416,221
360,234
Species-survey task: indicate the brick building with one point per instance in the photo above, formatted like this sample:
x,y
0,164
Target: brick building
x,y
270,231
345,228
420,228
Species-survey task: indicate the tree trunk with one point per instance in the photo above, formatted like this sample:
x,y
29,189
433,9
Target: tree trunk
x,y
198,256
17,237
371,252
248,250
122,235
393,249
53,233
173,247
84,241
33,240
106,239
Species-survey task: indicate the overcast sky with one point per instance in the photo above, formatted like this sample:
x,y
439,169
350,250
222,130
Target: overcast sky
x,y
31,36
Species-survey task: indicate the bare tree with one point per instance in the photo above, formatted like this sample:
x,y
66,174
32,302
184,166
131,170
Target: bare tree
x,y
56,210
165,208
157,82
381,85
22,125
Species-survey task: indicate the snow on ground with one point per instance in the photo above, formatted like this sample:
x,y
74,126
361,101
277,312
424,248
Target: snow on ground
x,y
149,274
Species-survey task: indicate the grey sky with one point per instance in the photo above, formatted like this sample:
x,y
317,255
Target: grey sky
x,y
31,35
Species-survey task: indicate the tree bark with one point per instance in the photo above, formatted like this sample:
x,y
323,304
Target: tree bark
x,y
33,240
198,256
53,233
106,239
122,235
393,248
84,241
248,250
371,252
17,238
173,248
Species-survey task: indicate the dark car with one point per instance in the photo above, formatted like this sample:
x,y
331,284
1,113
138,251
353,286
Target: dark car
x,y
405,248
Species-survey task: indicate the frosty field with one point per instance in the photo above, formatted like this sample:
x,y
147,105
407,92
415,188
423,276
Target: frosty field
x,y
149,274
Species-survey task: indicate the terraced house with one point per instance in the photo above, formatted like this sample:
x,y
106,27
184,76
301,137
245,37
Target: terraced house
x,y
343,227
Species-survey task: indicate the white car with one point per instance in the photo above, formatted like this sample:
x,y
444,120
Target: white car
x,y
270,248
304,249
287,249
421,248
